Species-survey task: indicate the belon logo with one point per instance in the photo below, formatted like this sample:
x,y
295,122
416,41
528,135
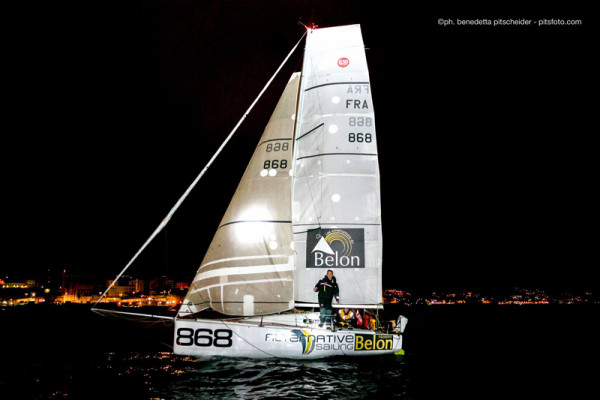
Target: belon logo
x,y
343,62
373,342
335,248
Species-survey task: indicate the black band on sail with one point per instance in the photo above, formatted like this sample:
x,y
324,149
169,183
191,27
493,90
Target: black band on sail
x,y
312,130
256,220
337,154
337,83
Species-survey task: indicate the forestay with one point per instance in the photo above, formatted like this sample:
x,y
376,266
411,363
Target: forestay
x,y
336,209
248,268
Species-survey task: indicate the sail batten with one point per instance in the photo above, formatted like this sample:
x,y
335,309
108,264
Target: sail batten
x,y
245,270
255,221
336,83
273,140
246,282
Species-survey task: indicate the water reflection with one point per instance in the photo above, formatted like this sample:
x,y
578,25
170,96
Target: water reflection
x,y
166,376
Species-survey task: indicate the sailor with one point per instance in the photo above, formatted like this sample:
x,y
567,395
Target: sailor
x,y
346,317
327,288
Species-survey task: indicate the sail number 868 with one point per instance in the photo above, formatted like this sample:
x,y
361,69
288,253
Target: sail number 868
x,y
273,164
360,137
204,337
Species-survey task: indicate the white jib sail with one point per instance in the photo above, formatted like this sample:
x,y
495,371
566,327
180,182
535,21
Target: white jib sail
x,y
248,268
336,208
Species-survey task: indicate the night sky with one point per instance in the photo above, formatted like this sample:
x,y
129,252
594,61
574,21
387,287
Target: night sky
x,y
488,167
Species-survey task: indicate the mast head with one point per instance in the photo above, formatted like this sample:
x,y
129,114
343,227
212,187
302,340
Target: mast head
x,y
310,27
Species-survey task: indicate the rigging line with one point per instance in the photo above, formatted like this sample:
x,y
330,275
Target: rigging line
x,y
312,130
166,220
100,311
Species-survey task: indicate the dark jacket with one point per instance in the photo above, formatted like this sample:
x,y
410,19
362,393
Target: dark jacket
x,y
327,289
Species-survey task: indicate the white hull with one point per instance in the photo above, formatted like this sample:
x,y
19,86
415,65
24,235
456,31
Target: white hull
x,y
281,336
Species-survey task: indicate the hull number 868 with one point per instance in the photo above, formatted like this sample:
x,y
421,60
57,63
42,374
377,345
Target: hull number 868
x,y
204,337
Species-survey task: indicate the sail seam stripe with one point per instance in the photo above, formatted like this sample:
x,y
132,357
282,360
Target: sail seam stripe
x,y
245,270
337,223
337,154
325,175
328,175
273,140
256,221
336,83
312,130
241,258
242,283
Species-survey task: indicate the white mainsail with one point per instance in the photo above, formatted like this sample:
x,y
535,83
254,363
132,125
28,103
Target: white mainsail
x,y
336,198
248,268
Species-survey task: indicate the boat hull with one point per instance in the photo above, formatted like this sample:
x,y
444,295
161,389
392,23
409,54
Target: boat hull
x,y
286,338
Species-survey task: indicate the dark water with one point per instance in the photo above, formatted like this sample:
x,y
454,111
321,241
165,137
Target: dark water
x,y
480,352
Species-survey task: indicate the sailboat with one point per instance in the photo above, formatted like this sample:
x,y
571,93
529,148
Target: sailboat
x,y
308,202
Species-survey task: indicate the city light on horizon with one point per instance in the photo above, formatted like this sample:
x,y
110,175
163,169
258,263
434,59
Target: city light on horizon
x,y
165,292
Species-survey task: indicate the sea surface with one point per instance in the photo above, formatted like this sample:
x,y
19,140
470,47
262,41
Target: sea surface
x,y
452,352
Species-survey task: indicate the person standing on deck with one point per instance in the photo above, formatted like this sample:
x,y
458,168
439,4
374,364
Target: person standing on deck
x,y
327,288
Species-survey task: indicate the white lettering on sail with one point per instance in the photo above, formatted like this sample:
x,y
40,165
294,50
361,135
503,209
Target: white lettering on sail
x,y
321,260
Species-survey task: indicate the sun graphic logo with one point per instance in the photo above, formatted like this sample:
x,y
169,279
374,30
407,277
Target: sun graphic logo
x,y
335,248
307,340
344,239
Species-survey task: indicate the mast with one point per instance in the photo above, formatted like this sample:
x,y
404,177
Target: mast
x,y
300,86
297,117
